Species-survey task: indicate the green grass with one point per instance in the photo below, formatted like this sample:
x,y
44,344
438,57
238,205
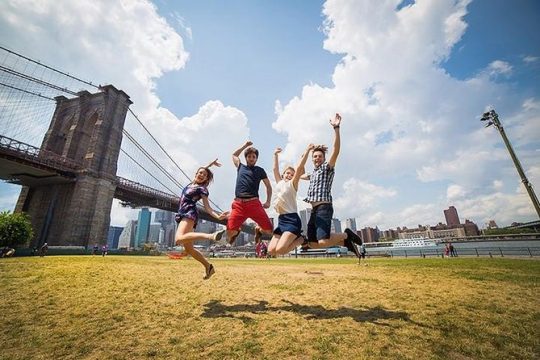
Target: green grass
x,y
120,307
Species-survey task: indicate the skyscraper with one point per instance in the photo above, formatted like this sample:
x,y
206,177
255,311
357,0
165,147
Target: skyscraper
x,y
166,219
127,237
143,227
114,236
451,215
336,226
304,218
351,224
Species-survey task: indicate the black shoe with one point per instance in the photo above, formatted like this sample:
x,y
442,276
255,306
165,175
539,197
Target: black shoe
x,y
305,244
209,272
352,247
352,236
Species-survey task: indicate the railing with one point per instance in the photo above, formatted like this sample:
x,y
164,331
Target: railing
x,y
20,150
145,190
496,251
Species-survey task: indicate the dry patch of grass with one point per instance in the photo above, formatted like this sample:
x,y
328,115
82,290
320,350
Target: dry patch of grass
x,y
152,307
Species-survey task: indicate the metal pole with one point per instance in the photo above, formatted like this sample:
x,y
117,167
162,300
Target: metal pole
x,y
494,120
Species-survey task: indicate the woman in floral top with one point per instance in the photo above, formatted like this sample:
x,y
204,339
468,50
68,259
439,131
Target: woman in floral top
x,y
188,216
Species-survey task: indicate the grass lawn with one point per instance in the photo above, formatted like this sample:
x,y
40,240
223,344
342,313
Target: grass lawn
x,y
122,307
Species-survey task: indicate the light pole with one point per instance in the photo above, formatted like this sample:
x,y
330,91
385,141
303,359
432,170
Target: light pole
x,y
493,119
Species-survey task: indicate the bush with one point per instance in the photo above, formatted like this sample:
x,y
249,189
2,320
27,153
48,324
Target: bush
x,y
15,229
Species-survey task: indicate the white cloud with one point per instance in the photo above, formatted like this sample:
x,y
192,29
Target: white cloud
x,y
359,198
455,192
530,59
499,67
128,44
403,114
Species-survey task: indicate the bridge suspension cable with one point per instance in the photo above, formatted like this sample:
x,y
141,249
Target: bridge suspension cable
x,y
28,79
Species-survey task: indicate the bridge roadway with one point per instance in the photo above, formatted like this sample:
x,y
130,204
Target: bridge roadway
x,y
27,165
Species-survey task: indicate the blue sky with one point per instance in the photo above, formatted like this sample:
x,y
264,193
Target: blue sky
x,y
410,79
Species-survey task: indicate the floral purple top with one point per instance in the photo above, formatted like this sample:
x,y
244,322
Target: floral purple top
x,y
188,202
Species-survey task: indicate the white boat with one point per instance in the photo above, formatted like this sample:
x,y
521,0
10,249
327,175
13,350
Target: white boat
x,y
408,243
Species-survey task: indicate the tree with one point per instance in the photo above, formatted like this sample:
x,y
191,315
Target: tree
x,y
15,229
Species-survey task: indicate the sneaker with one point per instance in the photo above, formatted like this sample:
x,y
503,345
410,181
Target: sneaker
x,y
218,235
258,235
352,236
232,239
352,247
209,272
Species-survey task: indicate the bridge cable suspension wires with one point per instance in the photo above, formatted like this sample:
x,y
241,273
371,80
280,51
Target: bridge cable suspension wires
x,y
169,156
21,70
48,67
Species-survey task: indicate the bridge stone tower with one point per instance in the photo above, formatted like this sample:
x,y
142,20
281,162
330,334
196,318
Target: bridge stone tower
x,y
86,129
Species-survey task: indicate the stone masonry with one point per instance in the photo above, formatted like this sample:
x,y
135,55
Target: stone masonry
x,y
88,130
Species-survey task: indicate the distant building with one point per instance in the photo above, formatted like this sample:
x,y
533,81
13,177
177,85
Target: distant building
x,y
143,227
351,224
114,236
164,217
471,229
492,225
127,237
304,218
369,234
153,233
390,234
170,232
336,226
206,227
168,227
451,215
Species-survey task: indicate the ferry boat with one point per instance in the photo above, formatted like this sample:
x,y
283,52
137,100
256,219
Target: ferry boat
x,y
407,243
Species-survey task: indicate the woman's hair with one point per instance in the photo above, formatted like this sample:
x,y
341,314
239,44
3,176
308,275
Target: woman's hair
x,y
209,175
251,150
287,168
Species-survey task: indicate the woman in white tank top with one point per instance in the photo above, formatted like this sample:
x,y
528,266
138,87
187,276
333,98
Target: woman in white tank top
x,y
288,234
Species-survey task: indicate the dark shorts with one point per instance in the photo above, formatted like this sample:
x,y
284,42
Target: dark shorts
x,y
290,223
320,222
178,217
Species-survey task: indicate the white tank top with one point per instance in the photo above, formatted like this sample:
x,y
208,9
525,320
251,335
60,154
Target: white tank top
x,y
285,198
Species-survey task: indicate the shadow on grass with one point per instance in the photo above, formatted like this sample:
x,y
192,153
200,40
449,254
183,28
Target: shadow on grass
x,y
215,309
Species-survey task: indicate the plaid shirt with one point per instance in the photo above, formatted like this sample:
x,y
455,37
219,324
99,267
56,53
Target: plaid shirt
x,y
320,184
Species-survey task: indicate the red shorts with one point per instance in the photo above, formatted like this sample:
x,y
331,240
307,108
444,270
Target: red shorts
x,y
241,211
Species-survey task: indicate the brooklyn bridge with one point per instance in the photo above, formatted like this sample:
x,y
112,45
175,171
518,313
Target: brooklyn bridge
x,y
73,146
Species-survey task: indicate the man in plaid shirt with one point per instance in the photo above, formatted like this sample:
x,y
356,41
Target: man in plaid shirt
x,y
320,197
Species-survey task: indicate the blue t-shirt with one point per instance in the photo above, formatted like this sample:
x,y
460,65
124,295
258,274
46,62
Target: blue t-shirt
x,y
248,180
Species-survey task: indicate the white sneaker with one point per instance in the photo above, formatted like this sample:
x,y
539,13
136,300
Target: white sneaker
x,y
218,235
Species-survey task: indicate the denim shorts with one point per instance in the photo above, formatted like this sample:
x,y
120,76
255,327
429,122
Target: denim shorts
x,y
320,222
290,223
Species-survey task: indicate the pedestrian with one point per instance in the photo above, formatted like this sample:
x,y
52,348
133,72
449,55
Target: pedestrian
x,y
320,198
43,250
246,203
288,234
453,252
188,215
